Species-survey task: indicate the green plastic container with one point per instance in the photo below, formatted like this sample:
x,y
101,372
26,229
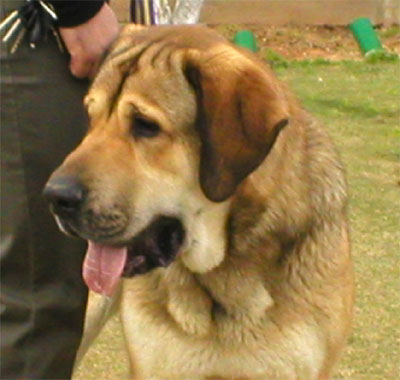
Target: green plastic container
x,y
246,39
365,35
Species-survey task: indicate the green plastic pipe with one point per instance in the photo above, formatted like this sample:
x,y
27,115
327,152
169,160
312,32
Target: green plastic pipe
x,y
246,39
365,35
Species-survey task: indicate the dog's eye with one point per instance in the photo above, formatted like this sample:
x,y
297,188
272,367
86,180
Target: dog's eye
x,y
144,128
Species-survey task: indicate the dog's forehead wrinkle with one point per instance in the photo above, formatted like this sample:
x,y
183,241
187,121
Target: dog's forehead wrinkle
x,y
167,99
157,53
128,54
145,50
117,67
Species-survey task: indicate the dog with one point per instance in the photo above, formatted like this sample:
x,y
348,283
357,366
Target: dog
x,y
214,208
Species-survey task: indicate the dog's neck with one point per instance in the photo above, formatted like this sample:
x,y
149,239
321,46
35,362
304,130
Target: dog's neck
x,y
252,223
206,242
224,236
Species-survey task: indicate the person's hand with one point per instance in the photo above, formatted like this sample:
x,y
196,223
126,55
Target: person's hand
x,y
86,43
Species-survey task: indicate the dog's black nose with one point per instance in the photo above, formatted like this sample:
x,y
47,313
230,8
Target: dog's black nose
x,y
65,195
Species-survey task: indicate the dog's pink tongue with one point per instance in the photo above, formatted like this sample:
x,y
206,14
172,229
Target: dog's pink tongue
x,y
103,267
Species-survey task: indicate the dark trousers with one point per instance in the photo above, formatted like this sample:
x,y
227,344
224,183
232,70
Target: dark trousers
x,y
42,294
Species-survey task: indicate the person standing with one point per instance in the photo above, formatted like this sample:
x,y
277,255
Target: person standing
x,y
43,297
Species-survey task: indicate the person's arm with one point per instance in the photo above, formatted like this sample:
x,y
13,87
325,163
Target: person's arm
x,y
75,12
87,29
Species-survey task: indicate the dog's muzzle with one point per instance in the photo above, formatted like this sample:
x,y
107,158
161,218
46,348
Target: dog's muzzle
x,y
107,258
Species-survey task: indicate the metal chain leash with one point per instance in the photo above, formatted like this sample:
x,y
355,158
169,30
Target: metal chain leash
x,y
35,20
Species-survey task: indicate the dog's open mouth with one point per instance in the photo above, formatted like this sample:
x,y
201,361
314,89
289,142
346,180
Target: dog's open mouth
x,y
156,246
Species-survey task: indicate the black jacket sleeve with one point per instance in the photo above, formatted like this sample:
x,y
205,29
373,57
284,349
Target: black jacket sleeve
x,y
75,12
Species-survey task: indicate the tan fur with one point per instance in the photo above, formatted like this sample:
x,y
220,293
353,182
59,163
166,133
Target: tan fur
x,y
263,287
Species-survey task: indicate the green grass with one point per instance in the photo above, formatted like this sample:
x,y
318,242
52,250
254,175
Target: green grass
x,y
390,32
359,103
278,61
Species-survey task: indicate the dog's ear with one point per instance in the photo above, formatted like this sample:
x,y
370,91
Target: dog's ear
x,y
241,109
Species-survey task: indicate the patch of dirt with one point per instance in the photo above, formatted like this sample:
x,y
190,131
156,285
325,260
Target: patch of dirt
x,y
310,42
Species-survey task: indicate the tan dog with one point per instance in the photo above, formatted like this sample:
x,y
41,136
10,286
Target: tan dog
x,y
221,202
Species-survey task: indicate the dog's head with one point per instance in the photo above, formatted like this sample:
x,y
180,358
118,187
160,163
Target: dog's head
x,y
178,119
